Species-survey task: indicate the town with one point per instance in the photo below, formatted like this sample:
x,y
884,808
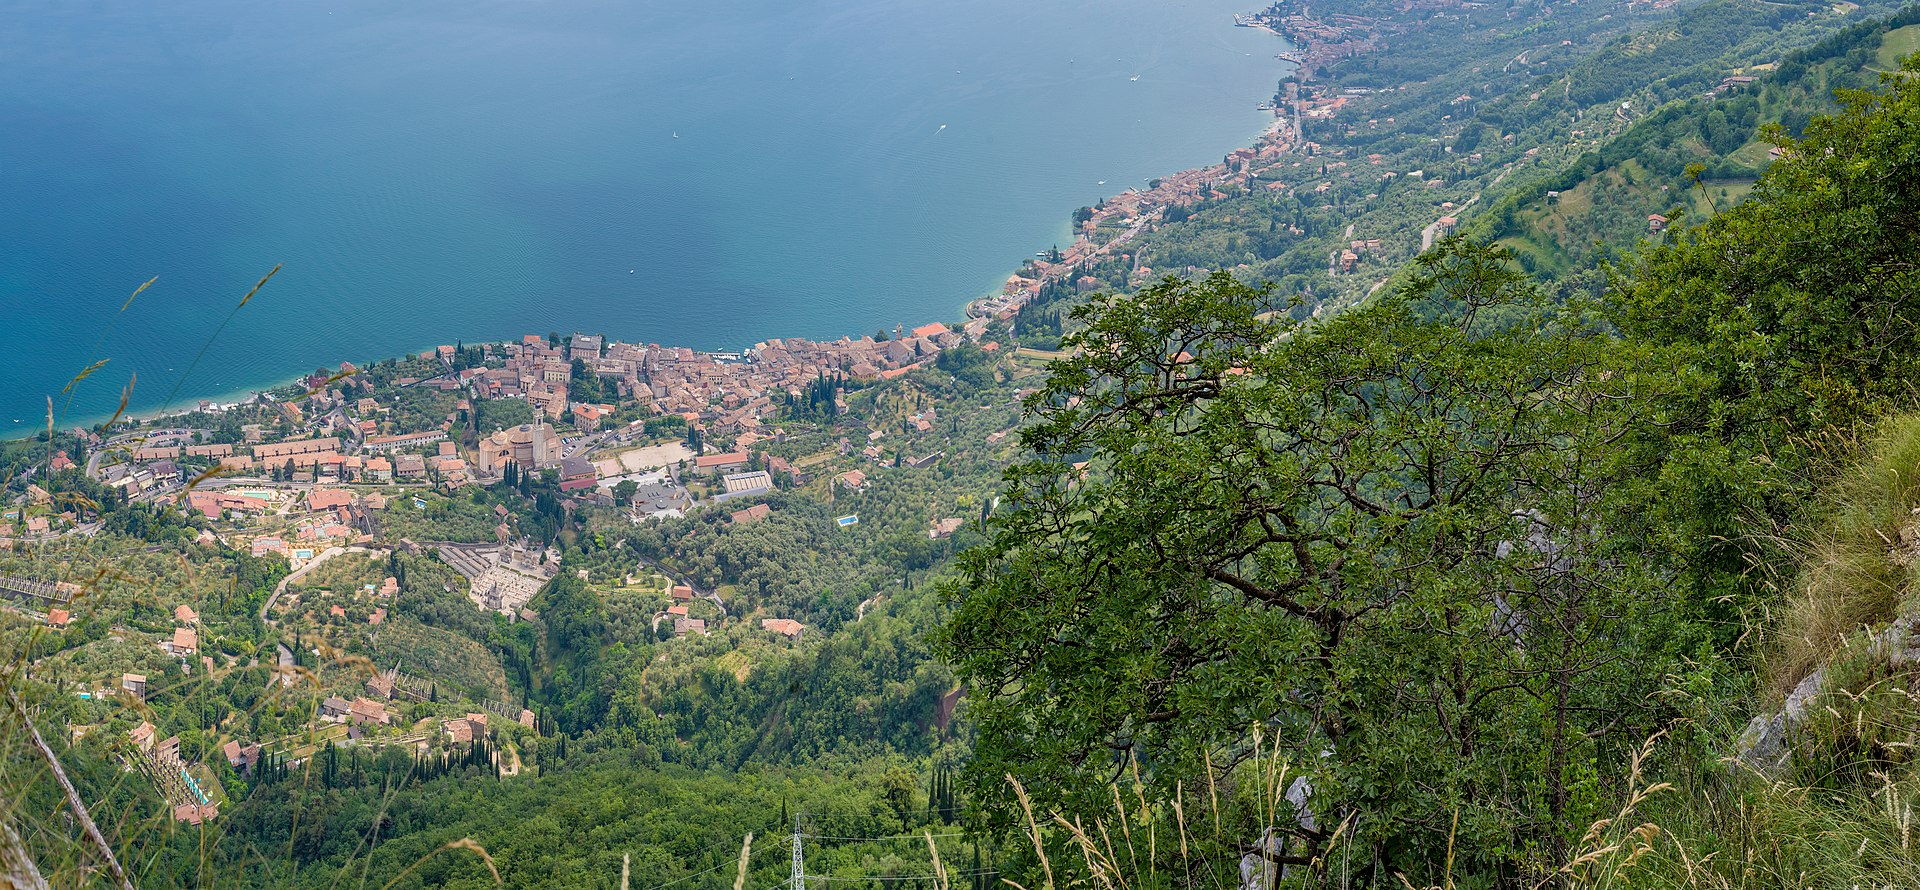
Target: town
x,y
357,481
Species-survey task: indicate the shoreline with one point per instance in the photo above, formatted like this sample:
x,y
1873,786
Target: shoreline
x,y
1140,209
220,401
1015,292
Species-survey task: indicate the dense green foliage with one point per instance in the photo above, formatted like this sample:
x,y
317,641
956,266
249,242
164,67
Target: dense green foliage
x,y
1451,554
1379,539
1799,303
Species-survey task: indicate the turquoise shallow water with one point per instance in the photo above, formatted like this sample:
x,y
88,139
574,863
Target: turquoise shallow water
x,y
434,170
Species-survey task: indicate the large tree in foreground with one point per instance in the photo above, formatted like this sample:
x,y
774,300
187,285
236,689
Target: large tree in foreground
x,y
1372,546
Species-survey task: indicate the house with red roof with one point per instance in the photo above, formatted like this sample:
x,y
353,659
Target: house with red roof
x,y
727,461
366,710
754,513
328,499
785,627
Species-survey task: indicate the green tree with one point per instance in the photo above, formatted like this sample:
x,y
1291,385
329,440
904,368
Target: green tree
x,y
898,786
1794,313
1368,544
1797,333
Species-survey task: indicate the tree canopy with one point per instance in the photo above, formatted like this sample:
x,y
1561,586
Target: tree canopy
x,y
1449,554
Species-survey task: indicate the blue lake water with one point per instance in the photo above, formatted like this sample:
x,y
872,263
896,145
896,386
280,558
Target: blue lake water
x,y
432,171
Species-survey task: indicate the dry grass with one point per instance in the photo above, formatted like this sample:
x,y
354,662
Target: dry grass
x,y
1858,564
1120,849
1724,832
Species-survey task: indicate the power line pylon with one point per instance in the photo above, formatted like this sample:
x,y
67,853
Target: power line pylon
x,y
799,862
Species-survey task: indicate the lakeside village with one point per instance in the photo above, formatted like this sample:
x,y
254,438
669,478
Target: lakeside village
x,y
332,430
337,477
336,474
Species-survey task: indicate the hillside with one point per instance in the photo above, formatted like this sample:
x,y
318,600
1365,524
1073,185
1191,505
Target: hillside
x,y
1691,157
1459,116
1220,559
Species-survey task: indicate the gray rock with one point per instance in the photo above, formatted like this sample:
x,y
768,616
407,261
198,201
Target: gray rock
x,y
1766,746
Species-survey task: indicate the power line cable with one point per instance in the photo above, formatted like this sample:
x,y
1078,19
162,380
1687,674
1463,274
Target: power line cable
x,y
733,864
692,876
925,877
891,837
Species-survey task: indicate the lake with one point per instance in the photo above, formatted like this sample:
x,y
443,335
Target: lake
x,y
675,173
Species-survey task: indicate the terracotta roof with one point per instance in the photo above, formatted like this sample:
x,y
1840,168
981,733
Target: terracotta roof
x,y
750,514
785,627
368,709
328,499
720,460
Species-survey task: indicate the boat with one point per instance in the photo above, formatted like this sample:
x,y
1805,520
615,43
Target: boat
x,y
1135,77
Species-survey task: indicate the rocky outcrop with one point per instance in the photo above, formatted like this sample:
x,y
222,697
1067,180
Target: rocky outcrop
x,y
17,869
1766,746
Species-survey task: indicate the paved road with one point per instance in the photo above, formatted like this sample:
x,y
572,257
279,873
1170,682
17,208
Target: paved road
x,y
1431,233
583,444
